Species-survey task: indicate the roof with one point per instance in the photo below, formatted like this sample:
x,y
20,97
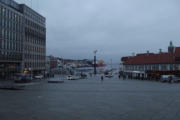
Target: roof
x,y
160,58
124,59
177,52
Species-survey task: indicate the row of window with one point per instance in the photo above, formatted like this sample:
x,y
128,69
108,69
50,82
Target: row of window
x,y
34,65
162,67
14,26
35,40
10,14
33,15
10,35
35,26
34,49
34,33
10,45
14,56
34,57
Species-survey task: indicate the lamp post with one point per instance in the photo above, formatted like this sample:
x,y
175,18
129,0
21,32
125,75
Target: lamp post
x,y
95,62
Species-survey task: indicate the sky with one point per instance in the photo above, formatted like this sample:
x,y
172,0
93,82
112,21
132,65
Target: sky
x,y
116,28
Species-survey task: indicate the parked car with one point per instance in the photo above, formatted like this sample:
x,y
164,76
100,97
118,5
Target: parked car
x,y
176,79
167,78
109,75
164,78
39,77
70,77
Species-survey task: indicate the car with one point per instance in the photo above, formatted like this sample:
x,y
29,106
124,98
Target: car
x,y
109,75
164,78
39,77
167,78
70,77
176,79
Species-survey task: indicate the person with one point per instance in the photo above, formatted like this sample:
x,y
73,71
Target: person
x,y
102,78
119,76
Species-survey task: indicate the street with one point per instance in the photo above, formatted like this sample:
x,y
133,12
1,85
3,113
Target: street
x,y
91,99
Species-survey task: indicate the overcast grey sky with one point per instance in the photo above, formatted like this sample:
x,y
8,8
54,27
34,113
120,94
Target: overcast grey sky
x,y
116,28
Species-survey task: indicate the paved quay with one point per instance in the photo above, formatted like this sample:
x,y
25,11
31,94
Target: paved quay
x,y
90,99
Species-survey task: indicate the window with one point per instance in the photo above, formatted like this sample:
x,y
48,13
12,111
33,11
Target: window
x,y
3,11
164,67
176,67
171,67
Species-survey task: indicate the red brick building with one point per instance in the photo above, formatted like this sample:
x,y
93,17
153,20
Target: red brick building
x,y
153,64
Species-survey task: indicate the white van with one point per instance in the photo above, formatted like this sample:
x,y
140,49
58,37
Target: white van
x,y
167,78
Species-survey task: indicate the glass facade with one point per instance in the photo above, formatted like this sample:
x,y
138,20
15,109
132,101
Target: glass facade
x,y
11,34
11,40
35,40
22,38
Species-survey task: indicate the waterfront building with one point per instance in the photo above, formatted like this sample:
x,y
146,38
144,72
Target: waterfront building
x,y
35,40
22,39
153,64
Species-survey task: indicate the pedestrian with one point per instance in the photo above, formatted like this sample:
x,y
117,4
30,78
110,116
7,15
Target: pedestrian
x,y
119,76
102,79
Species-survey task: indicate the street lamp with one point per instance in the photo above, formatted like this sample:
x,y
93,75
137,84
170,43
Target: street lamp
x,y
95,62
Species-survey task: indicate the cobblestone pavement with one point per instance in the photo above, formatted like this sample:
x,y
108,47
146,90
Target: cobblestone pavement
x,y
90,99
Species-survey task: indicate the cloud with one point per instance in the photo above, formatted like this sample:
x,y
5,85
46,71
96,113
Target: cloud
x,y
115,27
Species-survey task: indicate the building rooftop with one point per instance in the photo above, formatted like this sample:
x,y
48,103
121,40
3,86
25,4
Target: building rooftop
x,y
19,7
12,4
177,52
152,58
